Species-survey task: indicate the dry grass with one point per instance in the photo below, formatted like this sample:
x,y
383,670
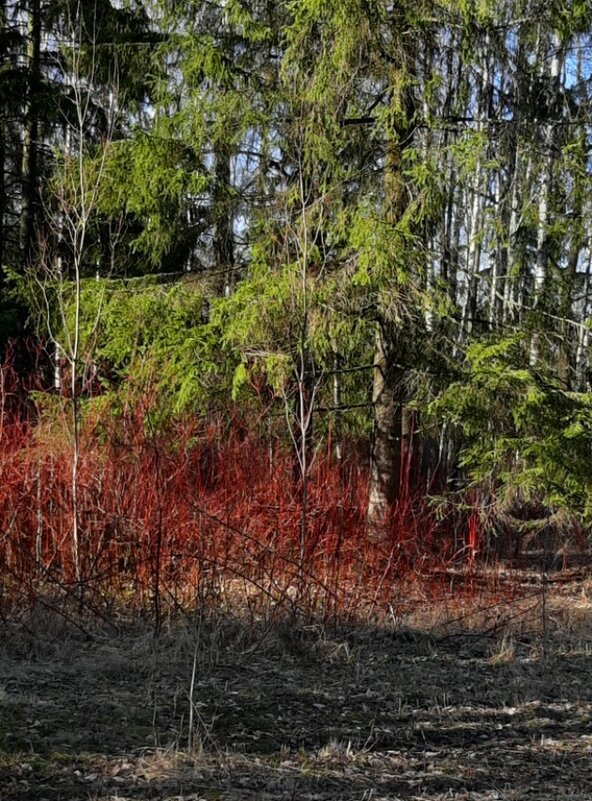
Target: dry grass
x,y
458,700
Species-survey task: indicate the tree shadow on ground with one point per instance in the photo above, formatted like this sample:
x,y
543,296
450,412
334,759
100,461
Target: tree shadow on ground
x,y
219,711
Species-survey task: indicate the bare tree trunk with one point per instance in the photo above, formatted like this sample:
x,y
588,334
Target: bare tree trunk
x,y
389,385
476,217
2,197
2,160
473,258
386,454
452,222
453,237
337,403
77,203
224,256
542,256
513,257
29,163
499,265
569,334
583,345
566,365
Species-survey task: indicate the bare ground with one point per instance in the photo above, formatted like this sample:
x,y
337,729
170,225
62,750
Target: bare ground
x,y
437,706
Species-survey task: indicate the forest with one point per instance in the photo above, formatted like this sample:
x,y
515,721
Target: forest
x,y
295,400
296,296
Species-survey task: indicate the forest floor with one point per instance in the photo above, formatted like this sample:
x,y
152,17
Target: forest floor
x,y
493,704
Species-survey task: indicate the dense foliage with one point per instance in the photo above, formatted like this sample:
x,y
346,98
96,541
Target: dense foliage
x,y
356,224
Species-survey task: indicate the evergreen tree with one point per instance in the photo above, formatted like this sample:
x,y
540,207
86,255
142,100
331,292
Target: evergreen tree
x,y
362,196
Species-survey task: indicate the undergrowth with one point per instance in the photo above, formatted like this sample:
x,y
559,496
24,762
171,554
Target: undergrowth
x,y
207,515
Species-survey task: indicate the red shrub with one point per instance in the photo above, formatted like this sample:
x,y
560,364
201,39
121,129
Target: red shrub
x,y
198,516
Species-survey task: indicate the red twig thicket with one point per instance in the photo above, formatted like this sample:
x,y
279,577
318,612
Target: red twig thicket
x,y
203,515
